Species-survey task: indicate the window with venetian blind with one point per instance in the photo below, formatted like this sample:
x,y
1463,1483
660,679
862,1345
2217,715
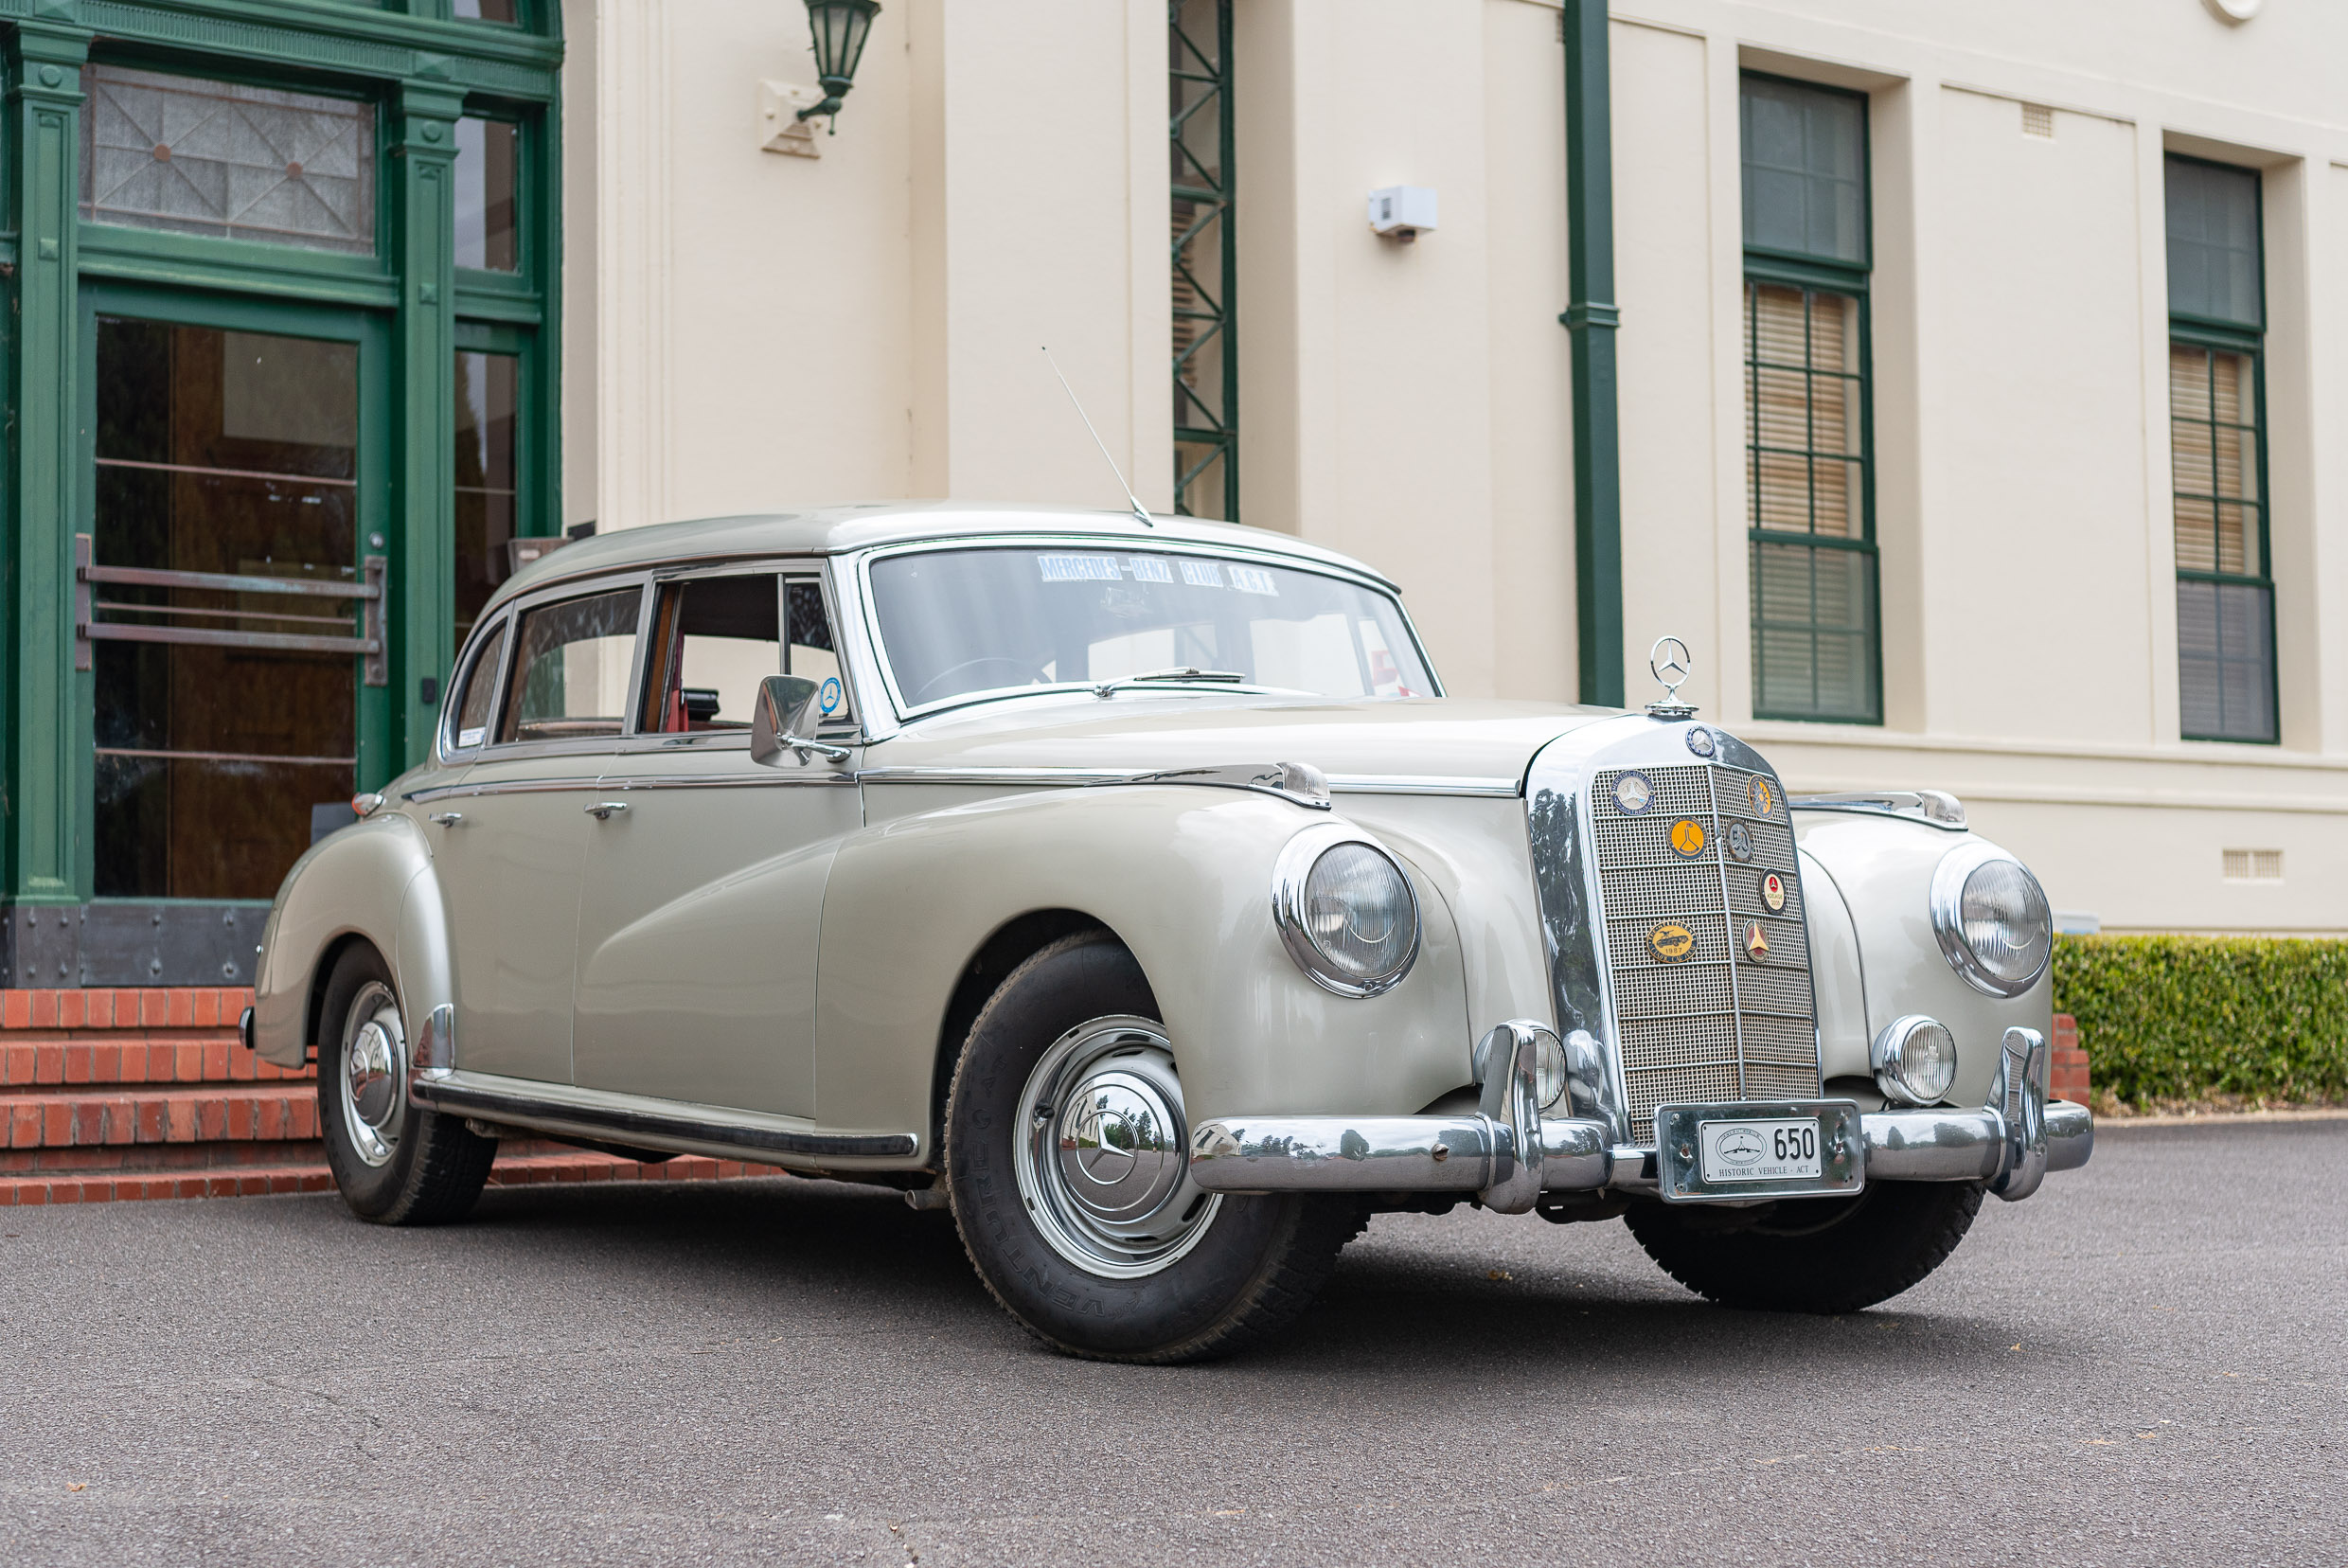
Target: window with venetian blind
x,y
1809,496
2217,430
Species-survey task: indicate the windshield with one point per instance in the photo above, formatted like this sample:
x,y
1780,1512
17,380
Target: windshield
x,y
962,621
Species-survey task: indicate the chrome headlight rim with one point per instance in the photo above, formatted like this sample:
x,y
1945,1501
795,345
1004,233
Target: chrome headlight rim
x,y
1888,1058
1290,874
1956,868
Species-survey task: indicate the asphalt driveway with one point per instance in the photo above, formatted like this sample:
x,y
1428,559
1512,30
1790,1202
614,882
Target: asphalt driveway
x,y
2146,1364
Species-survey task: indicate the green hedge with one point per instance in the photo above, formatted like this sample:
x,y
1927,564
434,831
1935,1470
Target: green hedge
x,y
2182,1019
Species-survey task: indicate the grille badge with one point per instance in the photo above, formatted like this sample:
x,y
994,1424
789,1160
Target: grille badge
x,y
1700,740
1764,798
1633,794
1671,942
1688,838
1756,942
1773,892
1740,841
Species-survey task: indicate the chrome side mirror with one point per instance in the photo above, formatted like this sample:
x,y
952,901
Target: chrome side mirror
x,y
781,719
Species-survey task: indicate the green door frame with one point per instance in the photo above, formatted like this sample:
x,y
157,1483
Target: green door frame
x,y
378,738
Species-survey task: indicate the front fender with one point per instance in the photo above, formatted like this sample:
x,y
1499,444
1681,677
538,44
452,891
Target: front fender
x,y
1883,868
1184,877
364,880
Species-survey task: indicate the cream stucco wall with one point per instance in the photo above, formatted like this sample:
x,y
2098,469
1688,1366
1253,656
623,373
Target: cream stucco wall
x,y
745,329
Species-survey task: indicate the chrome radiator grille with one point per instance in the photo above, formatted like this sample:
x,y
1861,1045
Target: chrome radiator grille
x,y
1715,1024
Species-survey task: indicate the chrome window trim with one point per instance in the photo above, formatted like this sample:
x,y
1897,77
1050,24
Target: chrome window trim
x,y
445,750
1948,879
860,565
1296,860
520,605
786,569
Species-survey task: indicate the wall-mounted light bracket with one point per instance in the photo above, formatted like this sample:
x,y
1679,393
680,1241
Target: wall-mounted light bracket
x,y
785,124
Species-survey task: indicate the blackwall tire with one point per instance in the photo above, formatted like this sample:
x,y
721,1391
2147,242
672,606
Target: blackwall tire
x,y
395,1163
1818,1254
1191,1278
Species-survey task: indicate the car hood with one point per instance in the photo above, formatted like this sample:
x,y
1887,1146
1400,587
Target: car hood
x,y
1429,741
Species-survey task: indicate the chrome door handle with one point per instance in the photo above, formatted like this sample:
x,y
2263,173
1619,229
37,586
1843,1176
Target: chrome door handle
x,y
446,819
602,811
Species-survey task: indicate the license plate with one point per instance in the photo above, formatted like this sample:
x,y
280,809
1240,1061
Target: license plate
x,y
1777,1150
1743,1150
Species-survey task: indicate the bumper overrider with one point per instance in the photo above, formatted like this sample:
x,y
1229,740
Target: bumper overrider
x,y
1507,1153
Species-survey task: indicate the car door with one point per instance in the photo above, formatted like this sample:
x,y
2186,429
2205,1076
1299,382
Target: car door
x,y
703,899
509,838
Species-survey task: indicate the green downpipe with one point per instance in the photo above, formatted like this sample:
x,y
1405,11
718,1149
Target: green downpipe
x,y
1589,316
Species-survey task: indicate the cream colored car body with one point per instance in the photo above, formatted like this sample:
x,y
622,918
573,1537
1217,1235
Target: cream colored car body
x,y
784,970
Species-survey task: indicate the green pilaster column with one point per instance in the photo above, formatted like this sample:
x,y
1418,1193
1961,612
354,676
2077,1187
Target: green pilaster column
x,y
45,790
1590,316
423,607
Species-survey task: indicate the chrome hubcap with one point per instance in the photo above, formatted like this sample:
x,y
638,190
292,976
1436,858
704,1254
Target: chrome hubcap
x,y
374,1076
1103,1162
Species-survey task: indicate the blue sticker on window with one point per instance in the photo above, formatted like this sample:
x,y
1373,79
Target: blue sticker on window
x,y
827,697
1150,569
1202,573
1253,579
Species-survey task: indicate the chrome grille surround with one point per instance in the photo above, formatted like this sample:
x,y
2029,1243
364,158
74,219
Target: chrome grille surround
x,y
1713,1026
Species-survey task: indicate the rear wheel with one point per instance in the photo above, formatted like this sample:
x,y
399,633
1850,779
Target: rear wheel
x,y
1067,1164
396,1163
1810,1255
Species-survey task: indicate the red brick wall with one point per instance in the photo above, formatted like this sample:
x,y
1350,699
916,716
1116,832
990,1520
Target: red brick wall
x,y
2070,1065
109,1094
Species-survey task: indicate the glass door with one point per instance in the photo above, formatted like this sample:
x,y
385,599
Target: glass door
x,y
232,595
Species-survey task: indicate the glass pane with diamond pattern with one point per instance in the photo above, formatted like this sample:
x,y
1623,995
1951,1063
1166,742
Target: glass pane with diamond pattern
x,y
198,156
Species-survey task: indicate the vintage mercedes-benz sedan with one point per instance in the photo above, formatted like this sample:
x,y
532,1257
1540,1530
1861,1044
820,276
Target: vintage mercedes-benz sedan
x,y
1130,889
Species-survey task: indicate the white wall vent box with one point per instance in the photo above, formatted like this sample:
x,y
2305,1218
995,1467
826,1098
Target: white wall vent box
x,y
1402,211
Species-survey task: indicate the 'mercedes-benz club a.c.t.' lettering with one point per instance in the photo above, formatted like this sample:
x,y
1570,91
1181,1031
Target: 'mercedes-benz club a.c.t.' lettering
x,y
1136,893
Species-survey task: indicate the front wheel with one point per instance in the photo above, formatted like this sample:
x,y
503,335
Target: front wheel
x,y
1810,1255
1067,1162
396,1163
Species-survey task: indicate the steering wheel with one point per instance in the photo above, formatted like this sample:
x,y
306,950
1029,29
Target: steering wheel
x,y
1034,673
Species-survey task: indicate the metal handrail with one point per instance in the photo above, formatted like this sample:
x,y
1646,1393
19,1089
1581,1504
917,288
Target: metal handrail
x,y
372,647
225,583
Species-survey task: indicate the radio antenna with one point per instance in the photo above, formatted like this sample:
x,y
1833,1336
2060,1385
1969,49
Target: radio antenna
x,y
1140,515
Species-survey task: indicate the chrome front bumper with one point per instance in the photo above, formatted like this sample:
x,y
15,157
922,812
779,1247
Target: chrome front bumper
x,y
1508,1154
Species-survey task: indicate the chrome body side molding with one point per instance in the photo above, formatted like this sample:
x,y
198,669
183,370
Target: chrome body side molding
x,y
561,1109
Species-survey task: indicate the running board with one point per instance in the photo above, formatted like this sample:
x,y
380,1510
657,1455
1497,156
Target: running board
x,y
702,1129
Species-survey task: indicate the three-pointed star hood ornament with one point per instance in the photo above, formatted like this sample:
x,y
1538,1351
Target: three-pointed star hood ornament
x,y
1669,661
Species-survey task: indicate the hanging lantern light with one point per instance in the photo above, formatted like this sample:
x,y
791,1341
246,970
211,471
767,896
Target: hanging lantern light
x,y
841,28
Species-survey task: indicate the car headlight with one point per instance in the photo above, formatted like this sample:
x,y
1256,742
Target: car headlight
x,y
1914,1059
1345,910
1991,919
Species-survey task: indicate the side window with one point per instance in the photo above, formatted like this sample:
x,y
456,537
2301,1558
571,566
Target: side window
x,y
714,640
480,692
814,651
570,668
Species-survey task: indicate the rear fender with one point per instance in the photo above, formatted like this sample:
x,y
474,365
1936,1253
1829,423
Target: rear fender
x,y
362,881
1184,877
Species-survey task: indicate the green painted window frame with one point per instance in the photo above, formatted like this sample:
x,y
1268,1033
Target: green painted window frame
x,y
375,721
412,63
1815,274
2234,337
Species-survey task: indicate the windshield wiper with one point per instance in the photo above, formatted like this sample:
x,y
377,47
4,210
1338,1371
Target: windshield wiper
x,y
1218,677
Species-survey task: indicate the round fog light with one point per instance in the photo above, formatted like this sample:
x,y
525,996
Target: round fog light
x,y
1914,1059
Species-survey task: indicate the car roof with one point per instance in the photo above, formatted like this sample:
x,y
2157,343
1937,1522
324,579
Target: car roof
x,y
832,531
